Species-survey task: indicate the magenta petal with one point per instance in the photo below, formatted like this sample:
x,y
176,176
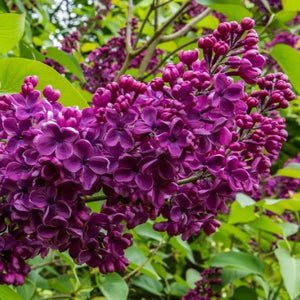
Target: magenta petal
x,y
175,214
33,98
46,232
10,125
72,164
141,127
19,99
16,171
123,175
52,129
240,174
176,127
175,150
69,134
83,149
63,150
149,114
226,107
164,139
98,164
220,82
225,136
87,178
234,92
112,116
129,117
63,209
125,139
144,182
112,137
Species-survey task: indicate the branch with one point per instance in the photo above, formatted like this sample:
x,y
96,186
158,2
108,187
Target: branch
x,y
145,62
162,29
190,179
125,66
167,57
129,26
162,4
95,198
152,253
186,28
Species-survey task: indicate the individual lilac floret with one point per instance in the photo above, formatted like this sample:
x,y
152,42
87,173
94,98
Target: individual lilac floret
x,y
27,106
85,161
56,139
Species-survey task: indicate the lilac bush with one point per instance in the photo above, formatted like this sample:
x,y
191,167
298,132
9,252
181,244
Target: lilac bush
x,y
179,147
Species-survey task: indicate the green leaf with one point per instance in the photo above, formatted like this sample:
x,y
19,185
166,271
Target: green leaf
x,y
61,283
66,60
209,21
241,214
146,230
6,293
149,284
232,12
245,293
239,260
290,271
287,58
136,257
3,6
280,205
230,274
192,276
210,2
113,287
291,5
244,200
88,47
26,290
14,70
236,232
183,247
11,30
288,229
168,46
178,289
266,224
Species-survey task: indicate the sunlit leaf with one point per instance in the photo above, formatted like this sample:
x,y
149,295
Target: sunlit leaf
x,y
11,30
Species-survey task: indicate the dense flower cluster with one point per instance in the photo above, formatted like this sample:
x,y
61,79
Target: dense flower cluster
x,y
179,147
105,62
204,289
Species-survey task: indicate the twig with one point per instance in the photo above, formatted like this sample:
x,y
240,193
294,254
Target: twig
x,y
94,198
143,25
162,4
186,28
152,253
129,26
156,15
168,56
162,29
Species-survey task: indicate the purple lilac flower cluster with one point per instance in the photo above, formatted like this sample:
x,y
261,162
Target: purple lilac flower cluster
x,y
105,61
179,147
204,289
70,42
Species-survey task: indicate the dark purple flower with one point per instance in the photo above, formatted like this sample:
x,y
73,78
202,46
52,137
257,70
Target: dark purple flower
x,y
85,161
56,139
